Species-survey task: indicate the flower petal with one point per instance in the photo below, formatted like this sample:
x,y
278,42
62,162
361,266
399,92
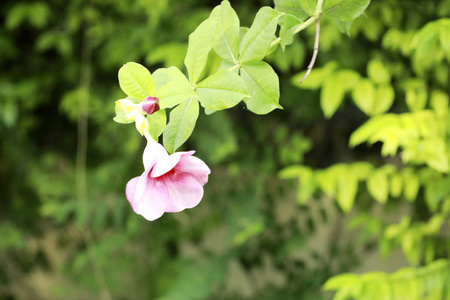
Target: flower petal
x,y
130,190
195,166
153,152
152,200
185,191
165,164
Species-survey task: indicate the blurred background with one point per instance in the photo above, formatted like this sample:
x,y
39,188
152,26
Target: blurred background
x,y
264,229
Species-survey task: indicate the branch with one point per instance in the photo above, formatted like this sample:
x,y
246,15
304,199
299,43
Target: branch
x,y
316,50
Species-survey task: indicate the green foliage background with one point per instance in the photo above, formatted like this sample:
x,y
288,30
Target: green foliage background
x,y
256,234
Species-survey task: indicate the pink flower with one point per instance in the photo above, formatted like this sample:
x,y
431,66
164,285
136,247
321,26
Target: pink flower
x,y
170,183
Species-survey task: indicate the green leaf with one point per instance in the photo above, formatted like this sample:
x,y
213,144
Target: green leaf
x,y
411,185
136,81
331,96
364,96
263,87
174,93
288,25
200,43
435,151
172,87
327,181
416,95
339,281
181,124
334,89
378,186
373,101
156,123
396,184
384,97
227,31
439,102
256,42
371,127
302,9
445,35
222,90
344,26
345,10
378,72
346,189
165,75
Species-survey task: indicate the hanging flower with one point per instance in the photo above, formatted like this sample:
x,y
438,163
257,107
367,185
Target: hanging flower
x,y
170,183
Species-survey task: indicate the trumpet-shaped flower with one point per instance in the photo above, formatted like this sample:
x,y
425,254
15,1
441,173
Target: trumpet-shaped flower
x,y
170,183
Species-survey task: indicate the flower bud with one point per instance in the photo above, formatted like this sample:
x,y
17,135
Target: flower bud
x,y
150,105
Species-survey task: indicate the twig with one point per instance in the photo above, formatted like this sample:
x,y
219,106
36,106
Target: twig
x,y
316,50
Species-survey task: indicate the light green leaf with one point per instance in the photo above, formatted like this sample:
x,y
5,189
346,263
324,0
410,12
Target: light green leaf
x,y
378,72
327,181
409,242
378,186
439,102
364,96
339,281
445,34
346,189
174,92
429,50
416,96
345,10
263,87
156,123
222,90
256,42
334,89
200,43
411,185
302,9
163,76
331,96
371,127
227,31
288,25
344,26
181,124
436,154
136,81
384,97
396,184
209,112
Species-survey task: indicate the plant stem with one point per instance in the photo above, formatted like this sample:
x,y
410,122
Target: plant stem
x,y
313,18
275,42
316,50
235,67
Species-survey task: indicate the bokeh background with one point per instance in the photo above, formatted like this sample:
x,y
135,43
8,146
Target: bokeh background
x,y
67,230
